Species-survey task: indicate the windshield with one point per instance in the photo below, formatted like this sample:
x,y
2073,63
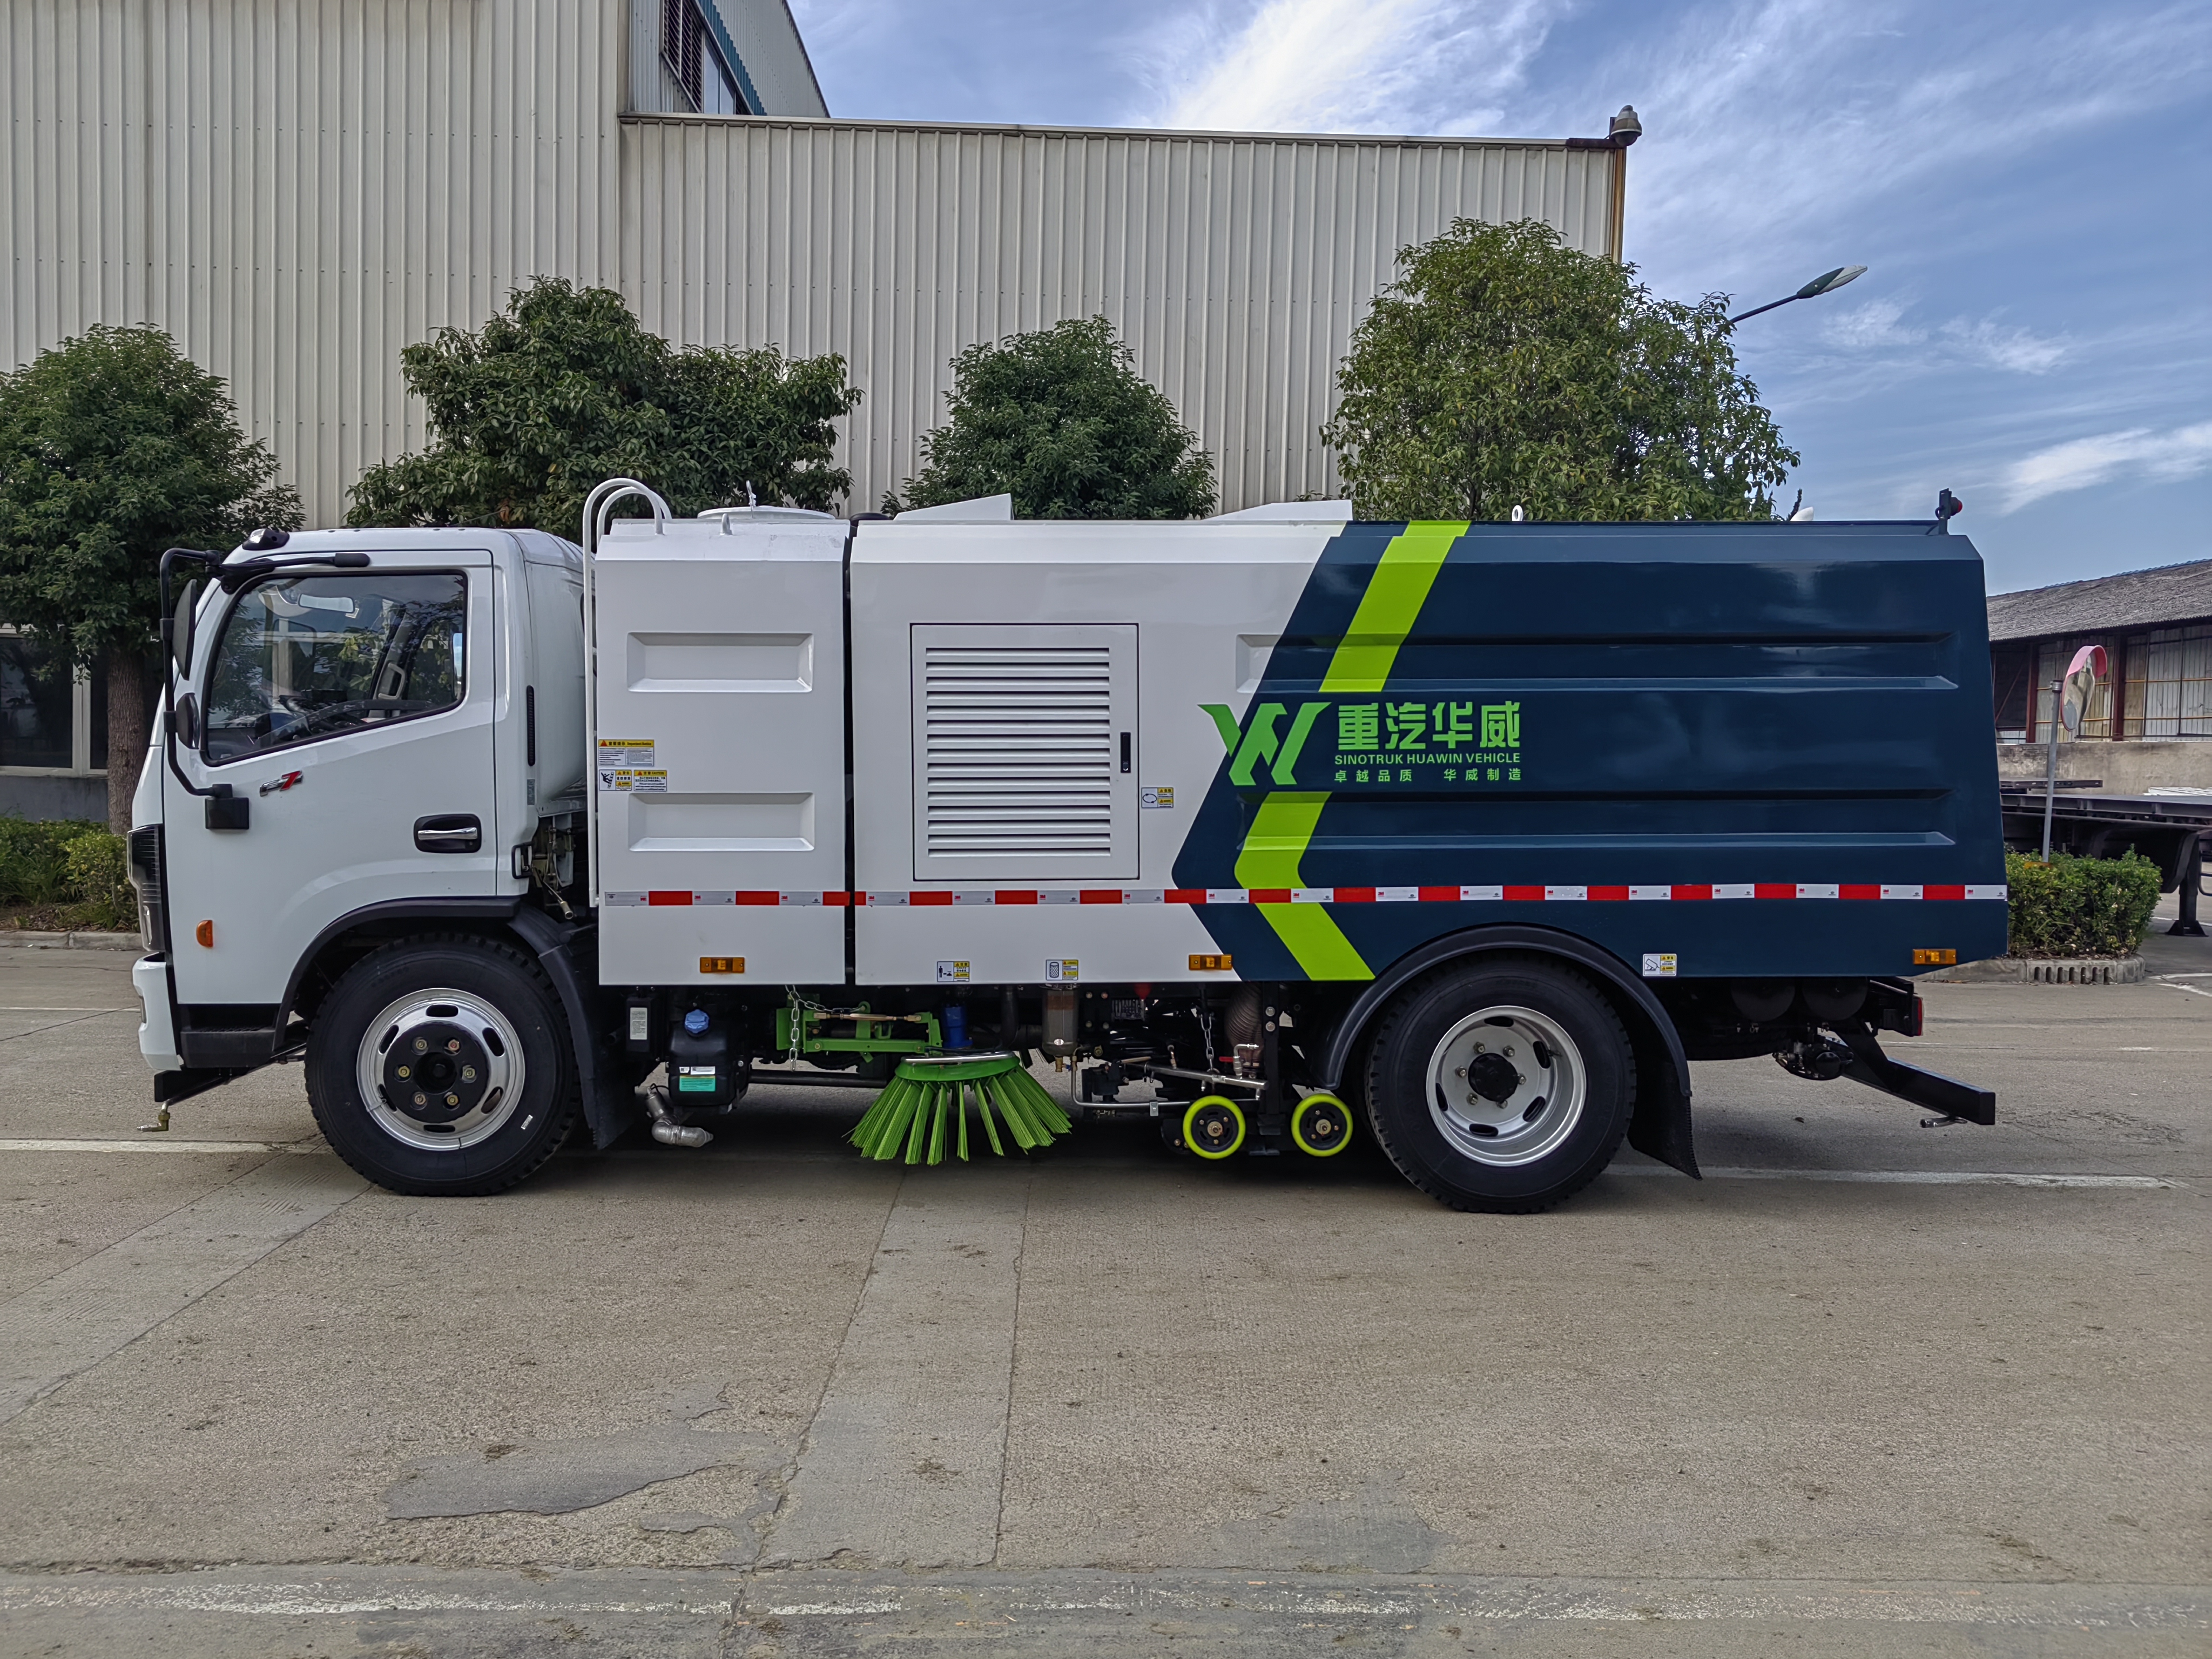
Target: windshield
x,y
308,657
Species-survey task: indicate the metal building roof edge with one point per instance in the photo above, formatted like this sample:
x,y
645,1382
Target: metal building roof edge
x,y
684,118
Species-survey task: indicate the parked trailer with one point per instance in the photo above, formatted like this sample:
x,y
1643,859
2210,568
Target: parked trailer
x,y
1487,830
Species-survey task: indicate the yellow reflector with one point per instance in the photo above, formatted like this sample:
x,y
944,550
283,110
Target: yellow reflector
x,y
721,964
1209,964
1935,959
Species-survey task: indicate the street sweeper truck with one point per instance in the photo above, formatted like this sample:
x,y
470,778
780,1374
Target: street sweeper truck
x,y
1277,830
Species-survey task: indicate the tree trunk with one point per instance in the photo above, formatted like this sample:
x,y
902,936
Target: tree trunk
x,y
126,735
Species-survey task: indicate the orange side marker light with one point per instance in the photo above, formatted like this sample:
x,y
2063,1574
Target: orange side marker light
x,y
205,934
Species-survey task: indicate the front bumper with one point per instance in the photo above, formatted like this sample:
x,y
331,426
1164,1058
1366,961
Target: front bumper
x,y
157,1031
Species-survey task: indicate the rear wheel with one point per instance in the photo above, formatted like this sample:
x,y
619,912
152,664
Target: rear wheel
x,y
1504,1084
441,1066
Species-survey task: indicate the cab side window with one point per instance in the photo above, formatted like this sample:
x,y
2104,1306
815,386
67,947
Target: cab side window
x,y
308,657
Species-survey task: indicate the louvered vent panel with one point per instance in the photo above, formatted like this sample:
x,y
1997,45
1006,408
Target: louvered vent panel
x,y
1020,739
1018,751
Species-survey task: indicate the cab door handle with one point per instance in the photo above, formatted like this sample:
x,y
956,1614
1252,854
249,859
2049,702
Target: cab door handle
x,y
448,832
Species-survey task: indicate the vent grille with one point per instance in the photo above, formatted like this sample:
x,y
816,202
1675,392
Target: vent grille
x,y
1018,751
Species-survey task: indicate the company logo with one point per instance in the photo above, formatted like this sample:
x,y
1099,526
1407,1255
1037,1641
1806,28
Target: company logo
x,y
1259,741
1427,744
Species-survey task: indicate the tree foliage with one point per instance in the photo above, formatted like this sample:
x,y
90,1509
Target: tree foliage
x,y
1504,369
566,388
1061,419
114,445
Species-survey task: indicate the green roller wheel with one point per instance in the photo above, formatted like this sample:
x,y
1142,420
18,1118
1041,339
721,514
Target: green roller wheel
x,y
1214,1127
1320,1124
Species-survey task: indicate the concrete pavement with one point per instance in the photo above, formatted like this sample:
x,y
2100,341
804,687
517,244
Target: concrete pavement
x,y
766,1399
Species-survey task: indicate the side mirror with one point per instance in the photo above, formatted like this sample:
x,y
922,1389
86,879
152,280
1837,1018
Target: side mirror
x,y
180,628
188,721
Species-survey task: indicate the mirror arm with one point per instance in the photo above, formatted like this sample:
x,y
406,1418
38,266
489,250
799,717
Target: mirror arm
x,y
173,557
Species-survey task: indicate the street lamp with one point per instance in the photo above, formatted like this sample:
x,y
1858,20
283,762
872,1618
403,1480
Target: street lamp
x,y
1826,283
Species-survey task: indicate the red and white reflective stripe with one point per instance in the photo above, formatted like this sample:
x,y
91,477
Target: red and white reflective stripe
x,y
1509,893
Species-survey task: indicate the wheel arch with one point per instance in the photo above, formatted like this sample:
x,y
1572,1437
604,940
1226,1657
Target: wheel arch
x,y
561,950
356,934
1660,1125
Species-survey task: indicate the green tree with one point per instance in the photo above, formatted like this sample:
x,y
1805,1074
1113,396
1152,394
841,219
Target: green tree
x,y
1504,369
566,388
114,445
1062,420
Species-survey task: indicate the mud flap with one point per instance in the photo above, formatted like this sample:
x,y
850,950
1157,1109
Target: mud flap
x,y
610,1107
1660,1126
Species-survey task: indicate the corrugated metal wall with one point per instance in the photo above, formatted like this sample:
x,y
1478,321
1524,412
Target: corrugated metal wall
x,y
295,189
1235,268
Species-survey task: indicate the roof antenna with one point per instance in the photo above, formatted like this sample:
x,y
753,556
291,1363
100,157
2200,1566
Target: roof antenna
x,y
752,501
1520,514
1947,507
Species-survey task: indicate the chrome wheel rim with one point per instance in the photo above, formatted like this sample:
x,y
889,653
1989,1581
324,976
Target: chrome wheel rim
x,y
1506,1086
440,1069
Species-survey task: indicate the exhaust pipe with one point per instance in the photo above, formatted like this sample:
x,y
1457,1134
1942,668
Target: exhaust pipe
x,y
665,1129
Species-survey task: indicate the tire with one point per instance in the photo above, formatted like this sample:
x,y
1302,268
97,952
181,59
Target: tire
x,y
1504,1084
441,1067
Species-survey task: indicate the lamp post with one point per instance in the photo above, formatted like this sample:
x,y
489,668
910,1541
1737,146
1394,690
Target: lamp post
x,y
1826,283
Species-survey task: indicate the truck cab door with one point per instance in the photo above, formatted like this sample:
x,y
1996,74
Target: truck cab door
x,y
352,715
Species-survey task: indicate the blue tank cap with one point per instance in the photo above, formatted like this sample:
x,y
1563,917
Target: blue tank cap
x,y
696,1021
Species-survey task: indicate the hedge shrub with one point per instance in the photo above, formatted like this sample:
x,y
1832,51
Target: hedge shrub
x,y
2074,907
67,861
100,878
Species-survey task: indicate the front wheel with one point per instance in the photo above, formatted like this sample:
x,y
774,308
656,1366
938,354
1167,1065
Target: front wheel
x,y
1504,1084
441,1066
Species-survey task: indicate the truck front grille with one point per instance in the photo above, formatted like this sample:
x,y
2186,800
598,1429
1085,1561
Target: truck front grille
x,y
149,876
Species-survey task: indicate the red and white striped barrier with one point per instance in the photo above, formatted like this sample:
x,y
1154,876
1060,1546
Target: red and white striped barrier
x,y
1679,892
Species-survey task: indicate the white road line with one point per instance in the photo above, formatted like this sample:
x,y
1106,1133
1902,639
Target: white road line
x,y
73,1321
2193,990
288,1603
1919,1177
162,1143
115,1009
951,1603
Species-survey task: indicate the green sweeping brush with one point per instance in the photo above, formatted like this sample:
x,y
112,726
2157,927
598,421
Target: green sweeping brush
x,y
928,1102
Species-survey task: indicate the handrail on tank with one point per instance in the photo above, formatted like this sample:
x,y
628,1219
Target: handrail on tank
x,y
599,507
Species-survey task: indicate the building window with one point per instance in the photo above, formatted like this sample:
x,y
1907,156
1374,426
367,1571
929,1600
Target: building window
x,y
38,714
2169,683
689,50
52,718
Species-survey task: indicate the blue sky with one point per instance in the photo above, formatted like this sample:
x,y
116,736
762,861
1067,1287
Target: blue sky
x,y
2030,183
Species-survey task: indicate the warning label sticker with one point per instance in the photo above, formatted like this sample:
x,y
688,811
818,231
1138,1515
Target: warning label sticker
x,y
952,973
621,755
633,783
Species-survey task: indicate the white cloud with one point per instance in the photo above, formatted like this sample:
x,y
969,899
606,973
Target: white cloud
x,y
2013,349
1872,326
2082,463
1343,65
1777,125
